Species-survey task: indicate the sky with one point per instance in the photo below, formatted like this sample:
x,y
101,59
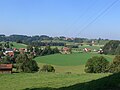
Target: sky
x,y
70,18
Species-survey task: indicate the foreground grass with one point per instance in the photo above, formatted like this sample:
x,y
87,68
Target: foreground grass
x,y
70,59
21,81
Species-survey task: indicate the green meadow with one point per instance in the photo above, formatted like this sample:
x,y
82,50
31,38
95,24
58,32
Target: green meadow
x,y
69,74
18,45
73,59
96,47
21,81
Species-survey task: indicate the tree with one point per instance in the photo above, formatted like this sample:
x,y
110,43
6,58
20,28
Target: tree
x,y
115,65
1,54
55,50
116,60
37,50
22,58
11,45
19,41
96,65
117,52
99,39
24,64
29,66
30,48
111,47
0,48
6,60
47,51
6,45
78,40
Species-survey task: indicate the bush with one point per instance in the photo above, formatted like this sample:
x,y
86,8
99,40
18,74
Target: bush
x,y
96,65
117,52
115,65
116,60
47,68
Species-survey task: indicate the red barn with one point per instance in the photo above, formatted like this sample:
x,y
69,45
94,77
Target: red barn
x,y
5,68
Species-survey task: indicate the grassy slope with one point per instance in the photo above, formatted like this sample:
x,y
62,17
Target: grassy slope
x,y
68,60
111,82
50,81
18,45
41,80
63,69
63,63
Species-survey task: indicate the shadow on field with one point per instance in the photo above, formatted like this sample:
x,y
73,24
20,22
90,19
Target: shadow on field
x,y
111,82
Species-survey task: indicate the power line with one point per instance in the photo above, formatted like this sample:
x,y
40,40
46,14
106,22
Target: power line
x,y
110,6
82,14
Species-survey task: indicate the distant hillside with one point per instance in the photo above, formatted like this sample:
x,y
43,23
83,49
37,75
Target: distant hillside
x,y
47,39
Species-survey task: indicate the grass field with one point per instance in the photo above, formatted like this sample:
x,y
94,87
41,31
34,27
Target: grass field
x,y
22,81
18,45
69,59
60,80
97,47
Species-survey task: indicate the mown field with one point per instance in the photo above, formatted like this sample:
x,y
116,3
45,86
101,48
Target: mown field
x,y
20,81
73,59
95,47
18,45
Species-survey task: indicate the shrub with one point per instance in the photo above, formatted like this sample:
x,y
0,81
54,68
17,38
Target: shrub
x,y
116,60
115,65
96,65
117,52
47,68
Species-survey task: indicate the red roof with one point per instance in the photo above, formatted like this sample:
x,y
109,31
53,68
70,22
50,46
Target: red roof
x,y
11,53
5,66
66,49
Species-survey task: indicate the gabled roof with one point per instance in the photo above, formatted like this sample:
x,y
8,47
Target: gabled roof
x,y
5,66
66,49
9,49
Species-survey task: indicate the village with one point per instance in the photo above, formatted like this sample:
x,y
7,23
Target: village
x,y
8,55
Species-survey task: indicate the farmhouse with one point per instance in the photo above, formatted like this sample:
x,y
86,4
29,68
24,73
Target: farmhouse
x,y
9,52
23,50
100,51
5,68
66,50
87,50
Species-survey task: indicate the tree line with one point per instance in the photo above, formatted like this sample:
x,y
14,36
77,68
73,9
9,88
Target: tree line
x,y
37,39
112,47
38,43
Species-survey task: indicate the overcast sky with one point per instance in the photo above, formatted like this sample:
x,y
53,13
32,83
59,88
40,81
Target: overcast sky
x,y
71,18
